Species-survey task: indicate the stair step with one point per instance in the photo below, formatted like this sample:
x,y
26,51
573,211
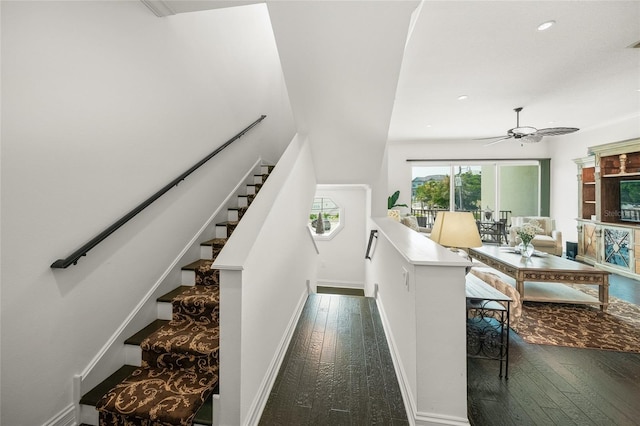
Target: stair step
x,y
266,169
204,415
225,229
168,297
202,271
137,338
198,264
94,395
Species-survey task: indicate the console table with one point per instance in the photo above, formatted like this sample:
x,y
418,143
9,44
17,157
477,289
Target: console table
x,y
487,322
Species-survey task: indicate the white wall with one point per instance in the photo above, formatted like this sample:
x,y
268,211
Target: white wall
x,y
420,283
266,267
341,259
103,104
564,182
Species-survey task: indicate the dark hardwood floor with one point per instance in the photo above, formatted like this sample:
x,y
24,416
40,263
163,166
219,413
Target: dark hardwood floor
x,y
553,385
338,368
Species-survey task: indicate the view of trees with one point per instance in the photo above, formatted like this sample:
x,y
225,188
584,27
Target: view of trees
x,y
435,193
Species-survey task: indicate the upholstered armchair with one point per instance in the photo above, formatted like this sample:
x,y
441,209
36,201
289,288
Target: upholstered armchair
x,y
549,240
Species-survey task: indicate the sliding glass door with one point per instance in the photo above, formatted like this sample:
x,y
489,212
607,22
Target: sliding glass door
x,y
491,190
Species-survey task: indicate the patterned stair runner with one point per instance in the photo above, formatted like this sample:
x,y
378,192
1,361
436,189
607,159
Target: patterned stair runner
x,y
179,370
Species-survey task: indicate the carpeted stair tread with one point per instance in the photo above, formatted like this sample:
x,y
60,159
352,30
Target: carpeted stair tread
x,y
217,241
137,338
183,345
217,244
198,265
168,297
94,395
203,416
163,396
204,274
228,223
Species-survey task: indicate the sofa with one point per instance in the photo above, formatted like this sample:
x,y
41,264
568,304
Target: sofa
x,y
548,240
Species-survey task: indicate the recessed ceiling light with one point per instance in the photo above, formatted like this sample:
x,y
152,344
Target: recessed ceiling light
x,y
546,25
463,97
428,126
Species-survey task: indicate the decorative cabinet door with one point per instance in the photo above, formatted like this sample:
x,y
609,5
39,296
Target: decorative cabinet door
x,y
617,245
589,241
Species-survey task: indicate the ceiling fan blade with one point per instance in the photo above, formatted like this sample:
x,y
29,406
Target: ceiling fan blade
x,y
486,139
498,141
555,131
534,138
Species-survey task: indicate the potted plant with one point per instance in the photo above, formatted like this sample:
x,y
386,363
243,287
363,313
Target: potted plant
x,y
392,202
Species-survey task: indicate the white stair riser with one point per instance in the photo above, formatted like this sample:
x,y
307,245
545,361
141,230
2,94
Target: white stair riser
x,y
133,355
188,277
232,215
242,202
206,252
251,190
165,311
89,415
257,179
221,231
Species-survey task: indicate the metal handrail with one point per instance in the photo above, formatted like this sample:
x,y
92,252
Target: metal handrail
x,y
373,234
73,258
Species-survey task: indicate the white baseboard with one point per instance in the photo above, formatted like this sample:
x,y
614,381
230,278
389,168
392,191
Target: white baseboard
x,y
415,417
340,284
255,412
66,417
403,379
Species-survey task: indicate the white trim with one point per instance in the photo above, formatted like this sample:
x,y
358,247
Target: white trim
x,y
257,407
158,7
415,417
340,284
403,380
114,337
66,417
429,419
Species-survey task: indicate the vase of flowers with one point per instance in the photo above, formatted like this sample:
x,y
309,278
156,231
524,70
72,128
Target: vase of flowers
x,y
526,233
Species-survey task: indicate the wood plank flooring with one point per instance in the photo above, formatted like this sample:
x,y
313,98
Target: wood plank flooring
x,y
553,385
338,371
338,368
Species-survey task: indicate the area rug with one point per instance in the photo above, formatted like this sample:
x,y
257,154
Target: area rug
x,y
582,326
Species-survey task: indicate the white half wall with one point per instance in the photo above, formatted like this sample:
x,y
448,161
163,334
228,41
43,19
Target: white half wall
x,y
341,259
266,268
421,294
103,104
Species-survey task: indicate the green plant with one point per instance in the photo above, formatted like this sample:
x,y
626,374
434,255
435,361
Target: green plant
x,y
393,199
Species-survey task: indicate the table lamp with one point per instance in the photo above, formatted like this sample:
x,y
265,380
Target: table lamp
x,y
456,230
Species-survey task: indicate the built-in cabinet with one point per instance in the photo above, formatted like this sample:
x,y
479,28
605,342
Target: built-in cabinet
x,y
608,235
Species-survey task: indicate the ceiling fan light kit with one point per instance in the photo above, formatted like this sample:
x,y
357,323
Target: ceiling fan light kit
x,y
528,134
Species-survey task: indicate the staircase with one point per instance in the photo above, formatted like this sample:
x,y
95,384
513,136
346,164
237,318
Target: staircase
x,y
179,352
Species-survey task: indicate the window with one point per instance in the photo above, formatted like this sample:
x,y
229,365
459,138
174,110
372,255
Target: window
x,y
330,212
488,189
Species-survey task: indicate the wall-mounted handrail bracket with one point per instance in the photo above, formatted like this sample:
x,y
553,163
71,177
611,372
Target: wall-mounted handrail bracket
x,y
373,234
73,258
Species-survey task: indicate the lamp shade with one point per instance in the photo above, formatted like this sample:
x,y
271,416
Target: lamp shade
x,y
456,229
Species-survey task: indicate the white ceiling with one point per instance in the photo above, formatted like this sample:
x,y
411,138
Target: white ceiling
x,y
345,62
580,73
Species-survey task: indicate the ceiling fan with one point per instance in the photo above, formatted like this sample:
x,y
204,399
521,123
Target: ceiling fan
x,y
528,134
